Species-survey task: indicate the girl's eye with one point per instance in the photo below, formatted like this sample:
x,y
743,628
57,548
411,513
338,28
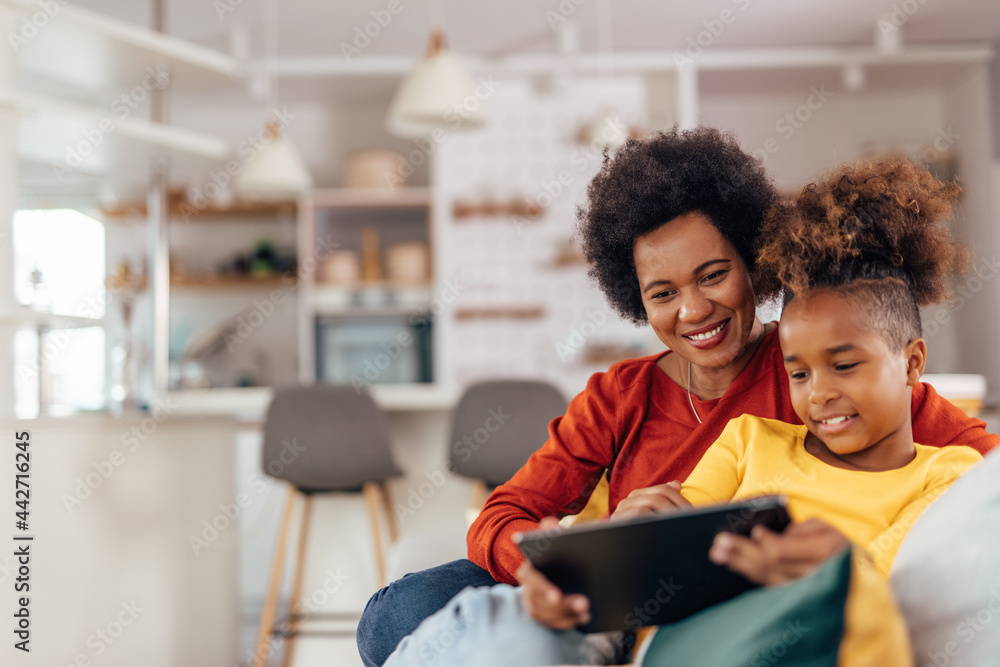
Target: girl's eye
x,y
846,366
798,375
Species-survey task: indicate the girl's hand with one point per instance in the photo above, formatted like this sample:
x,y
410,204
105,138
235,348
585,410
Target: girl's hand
x,y
650,500
543,600
770,558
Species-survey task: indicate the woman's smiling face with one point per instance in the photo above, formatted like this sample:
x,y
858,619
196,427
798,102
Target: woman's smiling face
x,y
696,290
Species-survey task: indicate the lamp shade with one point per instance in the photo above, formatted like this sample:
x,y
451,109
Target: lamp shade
x,y
438,93
276,171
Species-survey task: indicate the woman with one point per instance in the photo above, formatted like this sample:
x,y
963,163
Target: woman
x,y
670,229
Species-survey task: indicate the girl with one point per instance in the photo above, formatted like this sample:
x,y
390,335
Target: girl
x,y
857,256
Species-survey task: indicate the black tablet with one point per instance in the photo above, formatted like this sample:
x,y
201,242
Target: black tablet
x,y
650,570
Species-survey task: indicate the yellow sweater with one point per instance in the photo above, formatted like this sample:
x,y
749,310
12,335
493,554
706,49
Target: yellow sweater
x,y
756,456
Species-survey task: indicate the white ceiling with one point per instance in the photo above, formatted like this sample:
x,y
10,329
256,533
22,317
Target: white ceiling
x,y
316,28
490,29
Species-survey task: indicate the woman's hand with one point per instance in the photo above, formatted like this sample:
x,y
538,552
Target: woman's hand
x,y
770,558
650,500
543,600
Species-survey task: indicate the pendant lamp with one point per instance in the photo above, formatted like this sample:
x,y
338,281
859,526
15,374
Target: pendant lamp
x,y
438,93
277,170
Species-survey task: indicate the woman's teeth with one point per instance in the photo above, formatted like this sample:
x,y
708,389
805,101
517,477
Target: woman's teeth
x,y
707,334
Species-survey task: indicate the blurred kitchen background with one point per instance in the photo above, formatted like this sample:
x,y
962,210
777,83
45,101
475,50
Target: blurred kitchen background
x,y
204,201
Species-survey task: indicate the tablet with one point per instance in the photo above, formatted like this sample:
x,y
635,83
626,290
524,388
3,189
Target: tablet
x,y
649,570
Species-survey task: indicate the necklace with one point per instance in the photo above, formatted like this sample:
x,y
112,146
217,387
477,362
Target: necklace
x,y
690,400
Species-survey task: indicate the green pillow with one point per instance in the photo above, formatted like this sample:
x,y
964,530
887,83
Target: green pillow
x,y
800,623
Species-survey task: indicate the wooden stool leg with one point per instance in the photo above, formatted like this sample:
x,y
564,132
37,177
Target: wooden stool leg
x,y
372,500
390,516
478,495
295,604
274,587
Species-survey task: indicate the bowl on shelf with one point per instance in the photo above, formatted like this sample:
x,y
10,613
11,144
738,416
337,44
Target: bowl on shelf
x,y
342,266
375,169
408,262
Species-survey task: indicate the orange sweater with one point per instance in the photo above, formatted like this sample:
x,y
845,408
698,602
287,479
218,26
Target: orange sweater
x,y
638,412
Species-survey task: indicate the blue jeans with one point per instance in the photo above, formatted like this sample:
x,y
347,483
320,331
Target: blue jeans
x,y
488,627
397,610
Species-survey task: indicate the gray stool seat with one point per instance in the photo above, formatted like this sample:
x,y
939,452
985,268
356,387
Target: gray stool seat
x,y
326,438
497,425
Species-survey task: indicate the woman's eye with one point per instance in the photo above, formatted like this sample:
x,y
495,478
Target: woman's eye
x,y
664,294
714,276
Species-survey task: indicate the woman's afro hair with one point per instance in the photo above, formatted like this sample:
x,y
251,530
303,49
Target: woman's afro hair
x,y
649,182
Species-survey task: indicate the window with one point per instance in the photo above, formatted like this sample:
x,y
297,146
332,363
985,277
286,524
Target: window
x,y
59,262
59,268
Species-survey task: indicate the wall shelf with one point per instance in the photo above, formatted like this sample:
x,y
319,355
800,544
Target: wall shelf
x,y
50,126
517,208
500,312
181,207
48,320
214,281
109,55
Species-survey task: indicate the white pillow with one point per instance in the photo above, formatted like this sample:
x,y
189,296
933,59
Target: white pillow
x,y
946,575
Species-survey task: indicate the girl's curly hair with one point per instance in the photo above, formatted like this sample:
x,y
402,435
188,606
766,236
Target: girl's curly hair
x,y
876,231
648,183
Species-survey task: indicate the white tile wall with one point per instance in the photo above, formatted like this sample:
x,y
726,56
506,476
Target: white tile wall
x,y
526,151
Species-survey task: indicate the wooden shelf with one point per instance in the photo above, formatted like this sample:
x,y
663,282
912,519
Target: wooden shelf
x,y
236,209
180,207
225,281
518,208
500,312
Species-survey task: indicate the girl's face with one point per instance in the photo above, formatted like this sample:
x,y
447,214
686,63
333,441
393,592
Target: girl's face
x,y
696,291
847,385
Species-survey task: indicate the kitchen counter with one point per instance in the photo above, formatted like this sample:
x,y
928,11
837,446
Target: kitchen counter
x,y
133,561
251,402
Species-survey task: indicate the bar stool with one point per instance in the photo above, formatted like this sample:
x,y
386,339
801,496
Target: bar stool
x,y
496,426
321,439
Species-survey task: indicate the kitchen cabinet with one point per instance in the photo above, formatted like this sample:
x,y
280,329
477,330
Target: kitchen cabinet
x,y
366,283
